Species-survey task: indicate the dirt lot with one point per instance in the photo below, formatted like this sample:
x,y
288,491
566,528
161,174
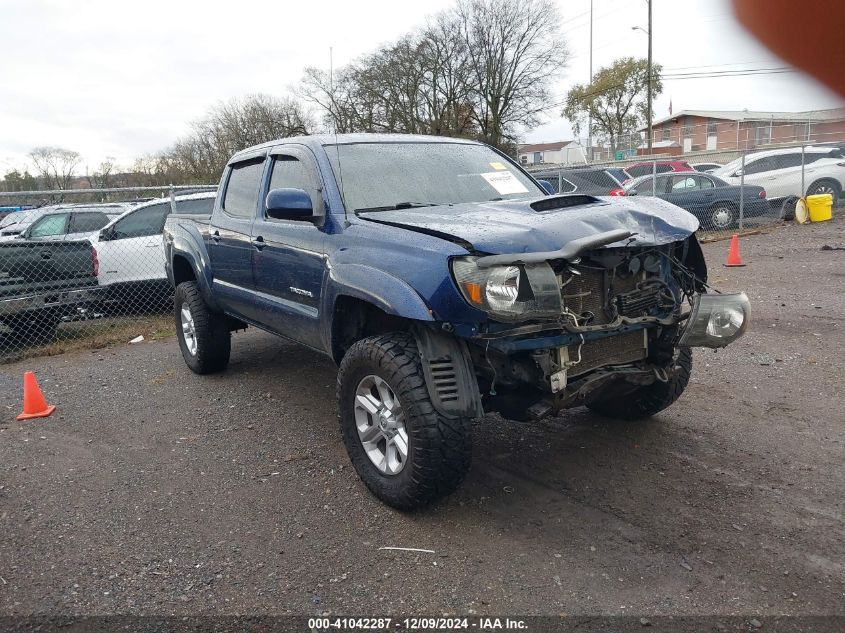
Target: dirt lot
x,y
152,490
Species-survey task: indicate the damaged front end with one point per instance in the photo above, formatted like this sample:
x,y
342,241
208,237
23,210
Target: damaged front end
x,y
589,323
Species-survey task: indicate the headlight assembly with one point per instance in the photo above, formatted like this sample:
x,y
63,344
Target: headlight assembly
x,y
509,293
716,320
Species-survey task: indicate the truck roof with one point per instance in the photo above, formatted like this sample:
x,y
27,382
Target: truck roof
x,y
319,140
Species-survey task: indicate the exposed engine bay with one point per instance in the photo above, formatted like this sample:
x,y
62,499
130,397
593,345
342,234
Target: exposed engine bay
x,y
621,315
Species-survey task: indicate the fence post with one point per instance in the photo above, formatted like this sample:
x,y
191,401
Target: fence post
x,y
742,191
172,200
653,178
559,180
801,193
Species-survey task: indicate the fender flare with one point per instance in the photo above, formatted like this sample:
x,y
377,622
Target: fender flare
x,y
187,246
393,296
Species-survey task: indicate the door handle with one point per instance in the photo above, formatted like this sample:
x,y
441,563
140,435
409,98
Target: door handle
x,y
216,236
259,243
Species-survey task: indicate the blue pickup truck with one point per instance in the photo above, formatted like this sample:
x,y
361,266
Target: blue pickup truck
x,y
446,283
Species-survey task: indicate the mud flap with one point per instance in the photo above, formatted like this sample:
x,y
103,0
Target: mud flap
x,y
449,375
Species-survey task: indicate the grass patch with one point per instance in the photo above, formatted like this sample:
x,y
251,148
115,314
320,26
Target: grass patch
x,y
93,334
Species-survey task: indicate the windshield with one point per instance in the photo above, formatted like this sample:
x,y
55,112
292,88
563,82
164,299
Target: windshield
x,y
17,217
730,167
379,176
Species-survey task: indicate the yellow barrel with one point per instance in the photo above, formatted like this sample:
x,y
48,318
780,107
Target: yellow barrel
x,y
820,207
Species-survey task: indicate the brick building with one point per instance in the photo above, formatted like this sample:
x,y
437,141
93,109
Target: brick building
x,y
703,130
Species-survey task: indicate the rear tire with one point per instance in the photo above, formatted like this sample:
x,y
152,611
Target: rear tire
x,y
722,216
437,450
650,399
825,185
204,336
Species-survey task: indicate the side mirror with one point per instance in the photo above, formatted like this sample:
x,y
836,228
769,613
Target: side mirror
x,y
289,204
547,186
632,192
105,235
738,172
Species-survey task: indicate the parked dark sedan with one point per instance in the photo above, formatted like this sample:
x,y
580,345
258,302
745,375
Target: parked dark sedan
x,y
591,181
713,201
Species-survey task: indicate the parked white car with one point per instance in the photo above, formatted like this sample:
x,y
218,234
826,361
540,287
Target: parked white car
x,y
779,171
131,254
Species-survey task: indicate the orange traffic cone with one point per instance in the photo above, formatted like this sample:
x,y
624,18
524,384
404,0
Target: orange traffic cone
x,y
733,254
34,404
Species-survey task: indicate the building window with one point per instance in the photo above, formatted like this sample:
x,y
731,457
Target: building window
x,y
688,127
802,131
711,127
763,135
523,159
666,132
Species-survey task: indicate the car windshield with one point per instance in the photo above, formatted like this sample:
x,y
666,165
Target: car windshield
x,y
383,176
24,217
731,167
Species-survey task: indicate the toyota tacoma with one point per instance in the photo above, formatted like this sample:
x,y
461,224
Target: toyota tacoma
x,y
446,283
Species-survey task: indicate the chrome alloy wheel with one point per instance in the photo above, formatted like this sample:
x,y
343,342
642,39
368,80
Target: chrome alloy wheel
x,y
189,331
380,421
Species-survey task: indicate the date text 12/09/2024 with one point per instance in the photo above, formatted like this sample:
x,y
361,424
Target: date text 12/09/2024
x,y
416,624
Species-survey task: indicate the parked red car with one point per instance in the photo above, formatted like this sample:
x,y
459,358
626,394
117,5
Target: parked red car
x,y
646,167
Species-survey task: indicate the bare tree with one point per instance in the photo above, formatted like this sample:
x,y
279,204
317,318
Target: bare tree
x,y
228,128
56,165
102,176
479,70
514,47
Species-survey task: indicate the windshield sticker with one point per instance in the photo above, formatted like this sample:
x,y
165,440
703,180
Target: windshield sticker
x,y
504,182
498,166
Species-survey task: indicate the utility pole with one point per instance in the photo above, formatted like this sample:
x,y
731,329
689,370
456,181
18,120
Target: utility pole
x,y
648,104
590,117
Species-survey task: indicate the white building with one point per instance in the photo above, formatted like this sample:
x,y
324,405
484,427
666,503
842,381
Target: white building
x,y
560,152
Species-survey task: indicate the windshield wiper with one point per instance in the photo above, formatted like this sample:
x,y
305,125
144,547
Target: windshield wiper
x,y
399,205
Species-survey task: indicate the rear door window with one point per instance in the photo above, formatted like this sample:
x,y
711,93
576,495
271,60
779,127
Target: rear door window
x,y
88,222
242,188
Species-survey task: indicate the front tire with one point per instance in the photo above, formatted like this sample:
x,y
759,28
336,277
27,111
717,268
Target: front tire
x,y
405,452
650,399
204,336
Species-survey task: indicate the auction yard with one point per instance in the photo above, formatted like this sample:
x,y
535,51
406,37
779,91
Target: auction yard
x,y
154,490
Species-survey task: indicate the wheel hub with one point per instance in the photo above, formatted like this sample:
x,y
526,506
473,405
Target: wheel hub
x,y
189,331
380,421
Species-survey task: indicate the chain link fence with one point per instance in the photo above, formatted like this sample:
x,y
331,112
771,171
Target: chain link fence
x,y
729,190
88,264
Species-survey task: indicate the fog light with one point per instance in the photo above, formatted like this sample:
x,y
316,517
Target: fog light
x,y
716,320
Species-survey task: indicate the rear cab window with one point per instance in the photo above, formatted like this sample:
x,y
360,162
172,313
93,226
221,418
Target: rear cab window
x,y
242,188
200,206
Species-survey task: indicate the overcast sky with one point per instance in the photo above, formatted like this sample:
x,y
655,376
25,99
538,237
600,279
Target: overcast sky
x,y
119,79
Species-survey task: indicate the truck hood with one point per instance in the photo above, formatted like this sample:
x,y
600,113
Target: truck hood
x,y
513,226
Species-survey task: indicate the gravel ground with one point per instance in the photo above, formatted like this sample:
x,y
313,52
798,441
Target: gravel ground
x,y
152,490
